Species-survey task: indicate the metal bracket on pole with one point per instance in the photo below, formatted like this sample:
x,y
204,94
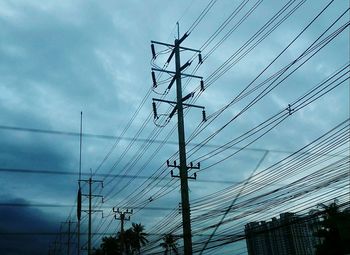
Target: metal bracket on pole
x,y
190,166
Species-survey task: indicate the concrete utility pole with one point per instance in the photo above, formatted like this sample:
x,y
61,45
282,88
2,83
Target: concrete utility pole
x,y
186,217
179,104
69,235
123,216
90,211
56,247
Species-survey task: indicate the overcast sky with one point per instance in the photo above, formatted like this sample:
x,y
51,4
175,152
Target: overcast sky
x,y
58,58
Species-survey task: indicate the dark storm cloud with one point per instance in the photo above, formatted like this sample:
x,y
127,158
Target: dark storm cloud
x,y
23,151
18,226
35,151
50,63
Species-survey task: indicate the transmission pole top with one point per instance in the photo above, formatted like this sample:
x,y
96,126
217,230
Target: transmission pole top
x,y
178,30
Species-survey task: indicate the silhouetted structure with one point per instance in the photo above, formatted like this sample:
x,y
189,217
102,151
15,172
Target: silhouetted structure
x,y
289,235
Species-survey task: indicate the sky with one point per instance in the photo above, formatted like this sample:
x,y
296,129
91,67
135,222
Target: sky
x,y
61,58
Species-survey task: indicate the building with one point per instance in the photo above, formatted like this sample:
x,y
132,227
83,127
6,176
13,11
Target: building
x,y
289,235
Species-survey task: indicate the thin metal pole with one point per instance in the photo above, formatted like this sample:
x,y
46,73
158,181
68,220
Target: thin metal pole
x,y
186,217
89,237
81,139
68,248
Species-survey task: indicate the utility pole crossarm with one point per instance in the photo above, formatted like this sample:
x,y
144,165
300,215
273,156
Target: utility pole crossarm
x,y
173,46
174,73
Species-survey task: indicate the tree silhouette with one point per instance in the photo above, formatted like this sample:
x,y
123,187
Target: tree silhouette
x,y
169,244
110,246
332,225
134,239
129,241
138,237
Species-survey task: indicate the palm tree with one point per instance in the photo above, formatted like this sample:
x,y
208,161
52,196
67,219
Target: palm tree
x,y
139,236
169,244
110,245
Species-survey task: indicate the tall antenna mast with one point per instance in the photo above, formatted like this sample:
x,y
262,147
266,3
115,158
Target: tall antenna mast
x,y
79,189
81,138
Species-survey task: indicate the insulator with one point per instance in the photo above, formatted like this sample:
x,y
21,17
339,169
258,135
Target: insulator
x,y
204,116
188,96
199,165
132,211
153,51
154,80
155,116
202,85
167,163
172,173
185,65
171,82
170,56
174,162
200,60
191,164
172,112
195,175
183,38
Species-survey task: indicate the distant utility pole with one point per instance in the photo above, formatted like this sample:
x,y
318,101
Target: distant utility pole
x,y
69,234
90,181
178,107
55,248
124,215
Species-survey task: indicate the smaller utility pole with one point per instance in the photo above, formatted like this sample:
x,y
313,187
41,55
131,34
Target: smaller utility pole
x,y
55,247
90,211
124,215
69,234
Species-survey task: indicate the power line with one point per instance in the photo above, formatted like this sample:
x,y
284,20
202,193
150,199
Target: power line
x,y
294,187
72,173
